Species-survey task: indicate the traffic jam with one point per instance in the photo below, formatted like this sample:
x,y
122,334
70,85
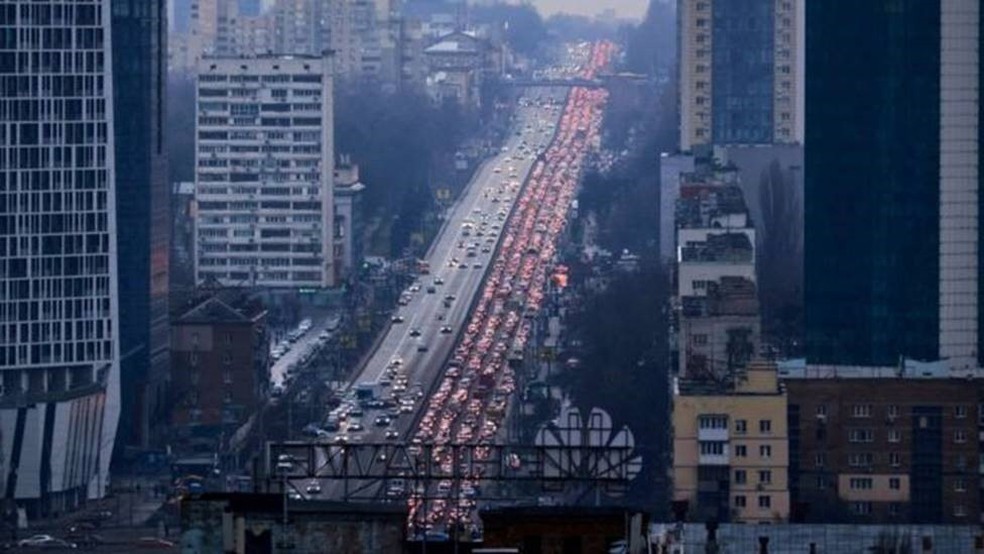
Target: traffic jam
x,y
470,402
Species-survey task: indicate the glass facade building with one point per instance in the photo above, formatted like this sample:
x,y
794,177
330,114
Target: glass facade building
x,y
143,213
59,324
892,179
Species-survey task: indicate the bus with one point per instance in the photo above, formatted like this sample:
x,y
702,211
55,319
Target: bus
x,y
423,267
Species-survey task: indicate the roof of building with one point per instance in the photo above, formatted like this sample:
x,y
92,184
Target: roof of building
x,y
703,204
225,306
458,42
719,247
729,296
907,369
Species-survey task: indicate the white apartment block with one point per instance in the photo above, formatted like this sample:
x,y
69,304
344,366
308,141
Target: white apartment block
x,y
264,164
59,335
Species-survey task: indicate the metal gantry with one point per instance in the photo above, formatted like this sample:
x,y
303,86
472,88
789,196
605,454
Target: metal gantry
x,y
363,469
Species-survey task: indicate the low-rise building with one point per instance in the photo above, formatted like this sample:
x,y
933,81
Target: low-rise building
x,y
730,448
349,222
455,67
720,330
885,444
219,367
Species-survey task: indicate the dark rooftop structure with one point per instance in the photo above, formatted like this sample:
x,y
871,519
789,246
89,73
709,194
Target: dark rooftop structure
x,y
723,247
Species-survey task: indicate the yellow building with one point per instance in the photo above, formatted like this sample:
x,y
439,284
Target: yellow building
x,y
731,448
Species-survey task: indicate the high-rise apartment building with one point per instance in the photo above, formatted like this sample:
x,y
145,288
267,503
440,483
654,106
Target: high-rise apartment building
x,y
142,214
740,72
264,165
893,180
59,324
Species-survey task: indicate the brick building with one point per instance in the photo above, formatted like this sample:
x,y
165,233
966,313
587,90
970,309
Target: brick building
x,y
220,367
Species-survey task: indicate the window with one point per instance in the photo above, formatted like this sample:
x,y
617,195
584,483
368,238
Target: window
x,y
712,422
894,509
893,411
712,448
740,501
961,461
960,412
894,435
861,410
741,451
861,483
821,482
860,460
820,459
959,511
894,483
960,436
861,435
894,459
861,508
741,477
765,425
959,485
765,451
741,426
765,476
765,501
700,339
822,410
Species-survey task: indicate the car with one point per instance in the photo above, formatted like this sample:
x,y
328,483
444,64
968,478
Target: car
x,y
431,290
415,332
397,319
154,543
382,421
422,347
477,266
449,298
354,427
462,266
446,330
414,288
438,281
313,487
392,434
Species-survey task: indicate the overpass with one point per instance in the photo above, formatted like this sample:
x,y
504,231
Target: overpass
x,y
602,81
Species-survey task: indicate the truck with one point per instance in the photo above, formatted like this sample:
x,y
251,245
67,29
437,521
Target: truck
x,y
365,392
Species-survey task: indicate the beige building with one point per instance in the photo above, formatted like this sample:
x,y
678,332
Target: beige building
x,y
726,50
731,448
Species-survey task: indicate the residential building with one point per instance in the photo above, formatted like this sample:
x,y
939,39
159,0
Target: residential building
x,y
264,160
671,168
59,296
730,448
298,27
895,444
220,372
143,208
892,229
740,71
720,331
456,64
349,221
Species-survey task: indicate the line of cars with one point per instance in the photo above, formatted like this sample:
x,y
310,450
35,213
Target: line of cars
x,y
470,402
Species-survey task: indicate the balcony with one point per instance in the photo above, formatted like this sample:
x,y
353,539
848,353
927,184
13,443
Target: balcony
x,y
716,434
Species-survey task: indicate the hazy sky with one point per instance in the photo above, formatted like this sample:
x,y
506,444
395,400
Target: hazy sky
x,y
623,8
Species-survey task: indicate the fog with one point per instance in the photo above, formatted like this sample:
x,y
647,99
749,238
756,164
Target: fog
x,y
623,8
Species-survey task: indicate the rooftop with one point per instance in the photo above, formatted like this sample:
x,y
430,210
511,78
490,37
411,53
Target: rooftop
x,y
907,369
720,247
705,205
213,306
729,296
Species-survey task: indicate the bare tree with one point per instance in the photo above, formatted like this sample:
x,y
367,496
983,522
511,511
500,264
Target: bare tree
x,y
780,260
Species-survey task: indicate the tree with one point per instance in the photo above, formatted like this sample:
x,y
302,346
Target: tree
x,y
780,263
521,24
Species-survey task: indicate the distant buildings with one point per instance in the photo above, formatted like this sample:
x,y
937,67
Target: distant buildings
x,y
892,232
264,180
349,220
740,64
60,176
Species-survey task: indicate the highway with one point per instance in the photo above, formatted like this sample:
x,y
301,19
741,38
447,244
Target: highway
x,y
489,197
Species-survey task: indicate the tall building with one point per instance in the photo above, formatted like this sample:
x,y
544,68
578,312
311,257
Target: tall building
x,y
142,214
740,71
264,165
59,312
892,182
